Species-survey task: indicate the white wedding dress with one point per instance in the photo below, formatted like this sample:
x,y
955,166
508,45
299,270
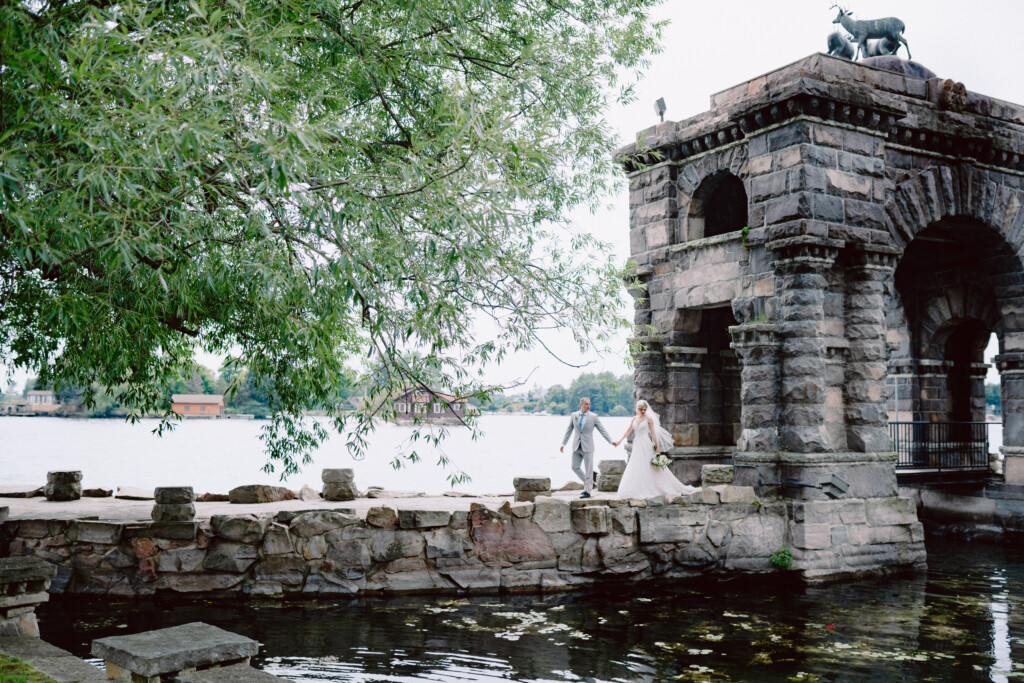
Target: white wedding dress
x,y
642,479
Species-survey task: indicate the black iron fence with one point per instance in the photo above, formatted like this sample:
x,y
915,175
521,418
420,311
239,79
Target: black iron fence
x,y
940,445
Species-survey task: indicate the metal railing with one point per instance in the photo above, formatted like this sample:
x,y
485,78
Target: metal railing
x,y
940,445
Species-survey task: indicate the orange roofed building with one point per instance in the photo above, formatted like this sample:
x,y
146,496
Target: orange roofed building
x,y
198,405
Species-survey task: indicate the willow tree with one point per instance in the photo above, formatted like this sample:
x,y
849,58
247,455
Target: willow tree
x,y
309,186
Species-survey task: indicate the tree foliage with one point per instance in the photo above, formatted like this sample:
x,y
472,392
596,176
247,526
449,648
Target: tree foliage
x,y
299,183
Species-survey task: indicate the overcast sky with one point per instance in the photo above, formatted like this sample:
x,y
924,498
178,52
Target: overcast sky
x,y
711,46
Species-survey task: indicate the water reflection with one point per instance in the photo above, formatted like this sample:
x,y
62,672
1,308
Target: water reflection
x,y
960,621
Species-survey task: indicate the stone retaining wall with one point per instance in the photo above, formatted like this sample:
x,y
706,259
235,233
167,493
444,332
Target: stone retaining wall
x,y
549,545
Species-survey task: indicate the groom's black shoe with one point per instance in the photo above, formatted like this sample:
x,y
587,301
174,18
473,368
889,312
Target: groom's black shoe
x,y
584,495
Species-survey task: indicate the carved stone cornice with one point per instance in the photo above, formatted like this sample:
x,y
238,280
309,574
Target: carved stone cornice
x,y
684,356
754,335
805,252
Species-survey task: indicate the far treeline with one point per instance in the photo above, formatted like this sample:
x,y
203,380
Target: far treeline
x,y
609,394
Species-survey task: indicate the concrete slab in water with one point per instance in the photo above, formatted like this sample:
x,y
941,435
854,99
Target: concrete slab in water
x,y
56,663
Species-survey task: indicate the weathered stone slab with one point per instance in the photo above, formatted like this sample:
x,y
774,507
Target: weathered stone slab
x,y
529,496
590,520
611,467
608,483
169,650
259,493
532,483
347,560
133,493
888,511
337,476
423,519
552,514
230,556
56,663
180,560
97,493
340,491
382,517
738,494
444,543
319,522
174,495
669,523
25,568
206,582
173,513
12,491
62,486
88,531
243,528
289,571
717,474
277,540
482,578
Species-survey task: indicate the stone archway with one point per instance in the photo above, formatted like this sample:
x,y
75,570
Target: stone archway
x,y
959,279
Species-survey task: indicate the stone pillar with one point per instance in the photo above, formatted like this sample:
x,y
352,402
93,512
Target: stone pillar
x,y
650,380
801,263
23,584
757,346
682,370
1011,376
864,394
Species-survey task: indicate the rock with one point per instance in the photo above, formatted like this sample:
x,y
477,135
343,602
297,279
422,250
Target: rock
x,y
289,571
307,494
477,579
378,492
244,528
337,476
497,538
444,543
20,491
198,583
263,589
230,556
529,496
174,495
173,513
532,483
347,560
590,520
717,474
738,494
608,483
97,493
670,523
382,516
320,522
423,519
552,515
571,486
277,540
259,493
133,493
340,491
89,531
61,486
611,467
213,498
180,560
5,512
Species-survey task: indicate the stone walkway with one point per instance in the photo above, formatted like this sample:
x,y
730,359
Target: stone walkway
x,y
119,510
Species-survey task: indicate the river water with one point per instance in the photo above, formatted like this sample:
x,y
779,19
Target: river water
x,y
962,620
217,455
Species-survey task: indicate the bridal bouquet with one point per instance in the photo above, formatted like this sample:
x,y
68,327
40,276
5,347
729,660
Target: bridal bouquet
x,y
660,460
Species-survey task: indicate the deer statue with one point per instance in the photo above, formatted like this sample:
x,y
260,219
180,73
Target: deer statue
x,y
889,28
840,46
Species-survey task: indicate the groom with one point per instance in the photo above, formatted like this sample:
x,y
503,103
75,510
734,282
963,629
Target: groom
x,y
583,423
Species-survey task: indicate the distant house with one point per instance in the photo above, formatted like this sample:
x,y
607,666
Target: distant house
x,y
417,402
198,405
16,406
43,402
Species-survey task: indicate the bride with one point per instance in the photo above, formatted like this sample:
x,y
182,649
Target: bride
x,y
642,479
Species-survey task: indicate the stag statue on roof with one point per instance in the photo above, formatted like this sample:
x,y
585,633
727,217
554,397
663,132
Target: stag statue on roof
x,y
889,31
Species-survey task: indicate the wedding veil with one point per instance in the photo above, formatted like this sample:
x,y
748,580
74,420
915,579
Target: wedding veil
x,y
665,438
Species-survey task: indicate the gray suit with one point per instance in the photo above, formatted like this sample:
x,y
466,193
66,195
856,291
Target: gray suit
x,y
584,424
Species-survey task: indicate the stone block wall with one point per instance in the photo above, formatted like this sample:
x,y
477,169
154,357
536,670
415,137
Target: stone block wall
x,y
550,544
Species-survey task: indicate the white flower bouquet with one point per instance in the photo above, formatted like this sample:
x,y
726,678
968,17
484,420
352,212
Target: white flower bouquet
x,y
660,460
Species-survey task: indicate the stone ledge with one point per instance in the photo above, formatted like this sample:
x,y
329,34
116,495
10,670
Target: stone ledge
x,y
236,673
56,663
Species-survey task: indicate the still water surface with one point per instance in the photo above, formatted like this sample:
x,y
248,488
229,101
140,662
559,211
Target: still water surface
x,y
218,455
962,620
